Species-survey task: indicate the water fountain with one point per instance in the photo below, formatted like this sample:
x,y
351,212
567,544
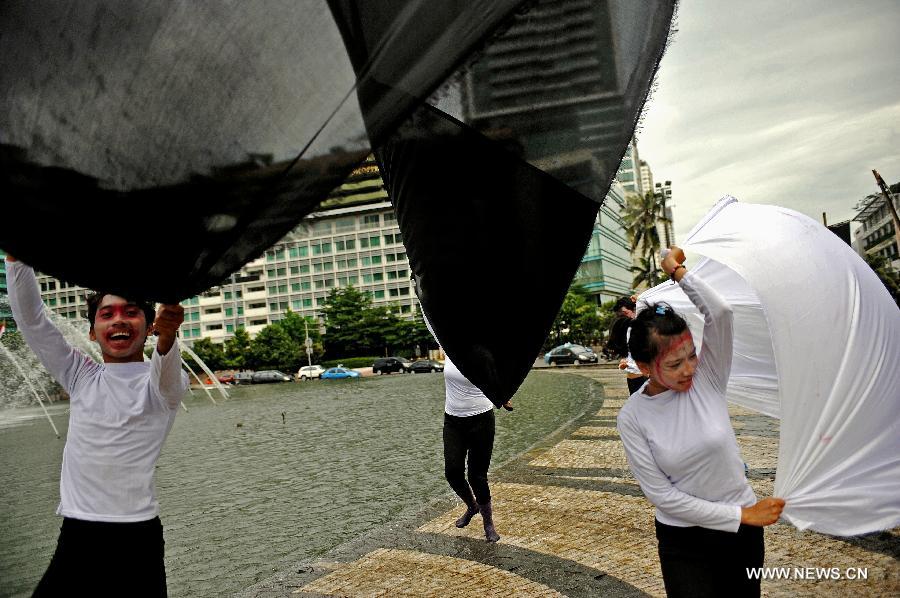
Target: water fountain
x,y
213,378
21,370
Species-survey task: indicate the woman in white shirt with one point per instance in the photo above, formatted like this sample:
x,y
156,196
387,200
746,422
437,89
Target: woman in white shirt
x,y
682,449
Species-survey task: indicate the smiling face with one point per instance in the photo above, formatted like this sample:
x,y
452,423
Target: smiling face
x,y
674,366
120,328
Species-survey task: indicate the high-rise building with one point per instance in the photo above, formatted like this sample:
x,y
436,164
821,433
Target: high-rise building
x,y
646,177
5,313
353,239
527,81
665,229
876,234
605,269
630,174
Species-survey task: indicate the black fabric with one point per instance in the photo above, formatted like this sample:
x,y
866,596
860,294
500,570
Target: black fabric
x,y
704,563
172,143
469,442
152,149
634,384
97,558
493,243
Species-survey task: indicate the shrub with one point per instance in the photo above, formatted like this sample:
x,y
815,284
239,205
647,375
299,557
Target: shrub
x,y
350,362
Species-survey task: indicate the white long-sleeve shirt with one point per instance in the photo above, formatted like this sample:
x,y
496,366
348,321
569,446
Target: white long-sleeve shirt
x,y
461,397
680,445
120,415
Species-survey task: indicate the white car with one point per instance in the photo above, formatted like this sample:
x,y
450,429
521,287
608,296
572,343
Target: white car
x,y
309,372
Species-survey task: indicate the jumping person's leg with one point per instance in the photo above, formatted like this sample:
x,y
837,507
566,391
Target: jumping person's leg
x,y
455,448
481,443
481,448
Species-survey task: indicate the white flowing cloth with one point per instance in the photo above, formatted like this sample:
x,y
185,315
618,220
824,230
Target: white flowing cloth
x,y
816,343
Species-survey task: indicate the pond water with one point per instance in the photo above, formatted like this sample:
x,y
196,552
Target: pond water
x,y
275,475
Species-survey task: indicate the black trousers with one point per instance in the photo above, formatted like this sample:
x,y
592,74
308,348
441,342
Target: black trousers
x,y
634,384
698,562
97,558
469,440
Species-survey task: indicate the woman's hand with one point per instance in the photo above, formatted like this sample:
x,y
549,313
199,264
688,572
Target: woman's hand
x,y
623,363
765,512
672,263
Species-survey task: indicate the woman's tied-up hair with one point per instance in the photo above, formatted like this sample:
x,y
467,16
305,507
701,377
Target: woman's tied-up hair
x,y
650,327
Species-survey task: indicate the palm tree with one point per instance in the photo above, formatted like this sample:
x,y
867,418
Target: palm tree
x,y
646,271
641,215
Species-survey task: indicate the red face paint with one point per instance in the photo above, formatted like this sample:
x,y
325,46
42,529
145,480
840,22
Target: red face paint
x,y
120,329
674,367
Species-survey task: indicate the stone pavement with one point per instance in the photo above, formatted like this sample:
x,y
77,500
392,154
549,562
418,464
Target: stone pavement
x,y
573,522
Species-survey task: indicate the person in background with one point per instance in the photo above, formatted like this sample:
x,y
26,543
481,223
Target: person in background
x,y
621,330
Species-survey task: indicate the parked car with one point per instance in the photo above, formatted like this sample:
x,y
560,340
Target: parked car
x,y
426,365
570,353
266,376
243,378
389,365
226,378
338,374
309,372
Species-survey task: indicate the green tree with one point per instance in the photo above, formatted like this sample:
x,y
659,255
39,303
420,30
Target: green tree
x,y
211,354
273,348
236,349
647,272
350,325
297,326
890,278
640,217
577,320
418,334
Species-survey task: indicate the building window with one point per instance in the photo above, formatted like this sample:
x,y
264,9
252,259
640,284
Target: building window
x,y
379,294
321,248
229,328
345,224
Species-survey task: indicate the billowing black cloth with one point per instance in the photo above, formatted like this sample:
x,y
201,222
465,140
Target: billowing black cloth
x,y
493,243
152,149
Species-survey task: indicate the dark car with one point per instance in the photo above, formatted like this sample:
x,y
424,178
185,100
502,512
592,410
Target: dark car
x,y
426,365
570,353
266,376
243,378
389,365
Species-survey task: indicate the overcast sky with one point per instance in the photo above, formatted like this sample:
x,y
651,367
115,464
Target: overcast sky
x,y
790,103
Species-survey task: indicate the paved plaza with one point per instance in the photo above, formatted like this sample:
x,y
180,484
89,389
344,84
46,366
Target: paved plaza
x,y
573,522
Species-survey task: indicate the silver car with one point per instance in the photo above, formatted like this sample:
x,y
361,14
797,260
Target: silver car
x,y
308,372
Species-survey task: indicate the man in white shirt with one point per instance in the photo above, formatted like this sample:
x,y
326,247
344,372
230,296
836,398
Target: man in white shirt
x,y
111,540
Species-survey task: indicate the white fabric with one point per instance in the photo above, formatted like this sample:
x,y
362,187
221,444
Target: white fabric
x,y
462,398
817,343
680,445
120,415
